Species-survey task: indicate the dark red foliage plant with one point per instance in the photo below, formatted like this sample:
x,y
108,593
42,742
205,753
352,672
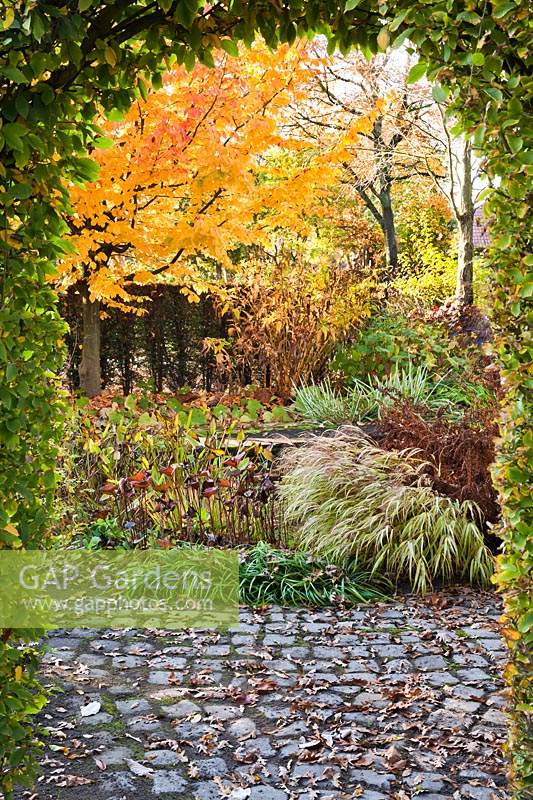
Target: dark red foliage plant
x,y
460,453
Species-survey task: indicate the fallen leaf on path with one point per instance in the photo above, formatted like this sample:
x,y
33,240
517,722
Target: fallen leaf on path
x,y
90,709
139,769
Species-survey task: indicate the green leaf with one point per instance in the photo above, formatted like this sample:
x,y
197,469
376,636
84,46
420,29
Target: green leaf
x,y
38,27
351,4
115,115
103,142
22,105
189,59
404,35
494,93
83,5
417,71
14,74
500,11
13,133
479,135
206,57
46,93
397,21
469,16
23,191
143,90
440,94
230,47
145,419
87,169
478,59
184,14
515,143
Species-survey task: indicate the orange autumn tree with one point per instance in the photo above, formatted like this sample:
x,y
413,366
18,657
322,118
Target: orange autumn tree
x,y
180,180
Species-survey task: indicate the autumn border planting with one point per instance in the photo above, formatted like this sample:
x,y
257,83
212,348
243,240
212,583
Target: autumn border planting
x,y
62,62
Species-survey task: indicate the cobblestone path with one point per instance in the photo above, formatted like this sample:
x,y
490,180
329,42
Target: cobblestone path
x,y
400,700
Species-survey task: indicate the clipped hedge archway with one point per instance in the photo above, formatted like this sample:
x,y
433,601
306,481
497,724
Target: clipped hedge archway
x,y
61,62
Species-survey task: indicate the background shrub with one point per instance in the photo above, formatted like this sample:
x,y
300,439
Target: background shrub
x,y
287,314
427,249
162,348
22,698
391,343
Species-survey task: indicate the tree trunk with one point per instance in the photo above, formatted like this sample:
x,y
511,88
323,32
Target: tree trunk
x,y
464,290
384,154
389,231
89,369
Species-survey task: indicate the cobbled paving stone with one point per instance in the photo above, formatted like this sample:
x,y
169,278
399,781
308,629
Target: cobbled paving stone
x,y
396,701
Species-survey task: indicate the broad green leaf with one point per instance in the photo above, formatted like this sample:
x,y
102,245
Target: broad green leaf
x,y
494,93
501,11
397,21
23,190
103,142
115,115
417,71
143,89
440,94
515,142
13,133
38,27
230,47
13,74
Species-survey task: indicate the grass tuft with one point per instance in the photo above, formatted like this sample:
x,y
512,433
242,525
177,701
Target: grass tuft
x,y
271,576
352,501
364,400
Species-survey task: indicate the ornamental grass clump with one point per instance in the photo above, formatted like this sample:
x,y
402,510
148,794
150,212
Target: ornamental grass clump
x,y
365,400
269,575
352,502
322,403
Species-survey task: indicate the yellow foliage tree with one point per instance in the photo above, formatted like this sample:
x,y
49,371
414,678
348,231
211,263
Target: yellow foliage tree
x,y
183,175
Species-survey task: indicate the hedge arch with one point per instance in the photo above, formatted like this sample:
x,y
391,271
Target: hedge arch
x,y
61,62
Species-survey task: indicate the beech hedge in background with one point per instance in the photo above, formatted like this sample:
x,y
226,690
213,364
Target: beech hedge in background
x,y
62,62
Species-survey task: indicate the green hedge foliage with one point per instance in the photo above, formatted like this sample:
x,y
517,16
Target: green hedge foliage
x,y
61,62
